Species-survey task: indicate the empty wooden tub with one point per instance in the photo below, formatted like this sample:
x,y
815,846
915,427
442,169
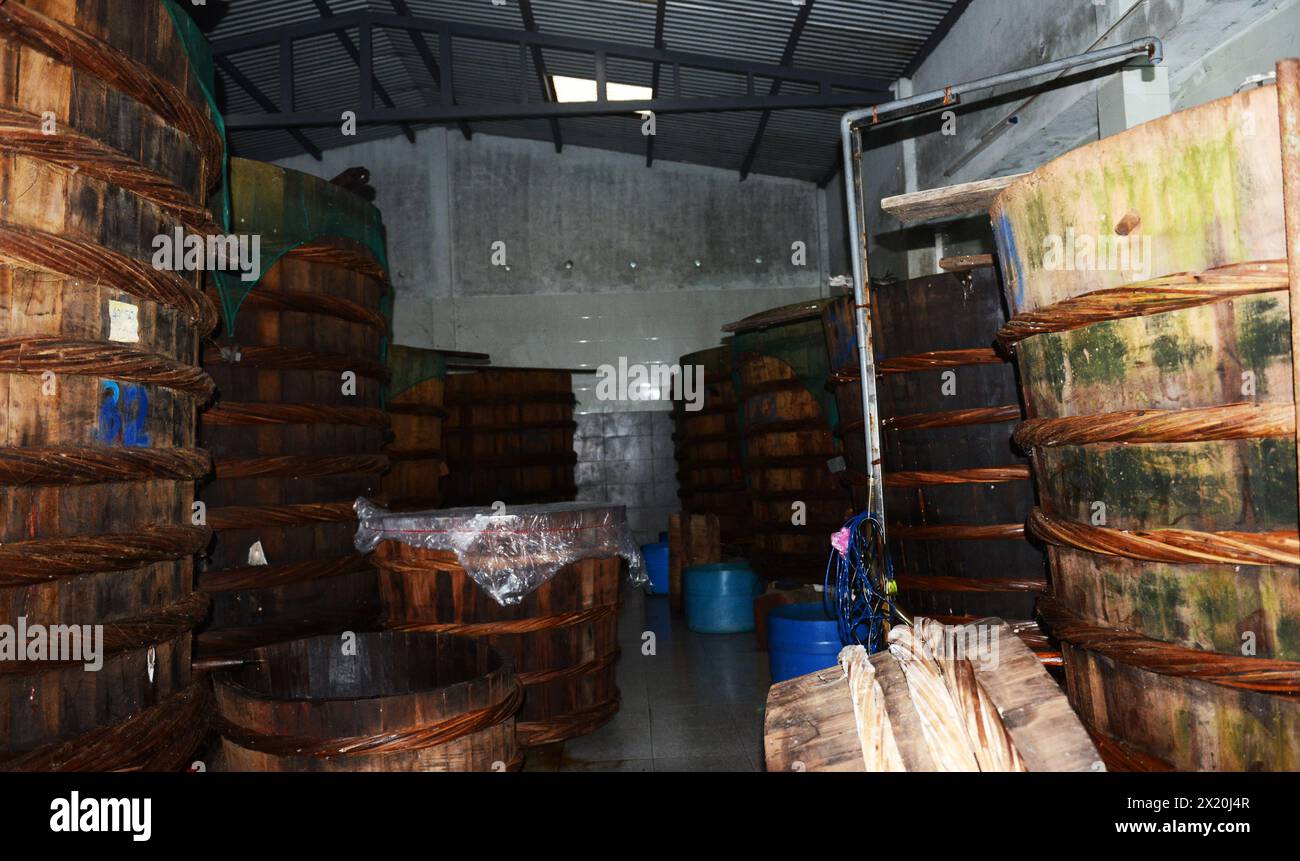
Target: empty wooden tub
x,y
562,638
400,701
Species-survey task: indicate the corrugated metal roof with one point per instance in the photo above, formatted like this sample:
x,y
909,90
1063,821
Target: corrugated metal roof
x,y
869,38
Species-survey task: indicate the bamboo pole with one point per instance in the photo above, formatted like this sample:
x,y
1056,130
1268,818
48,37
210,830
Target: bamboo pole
x,y
1288,104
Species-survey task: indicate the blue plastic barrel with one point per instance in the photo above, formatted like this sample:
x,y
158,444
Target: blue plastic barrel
x,y
656,565
801,639
720,597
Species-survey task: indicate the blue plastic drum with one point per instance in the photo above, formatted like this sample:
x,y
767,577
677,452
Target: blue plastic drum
x,y
801,639
656,565
720,597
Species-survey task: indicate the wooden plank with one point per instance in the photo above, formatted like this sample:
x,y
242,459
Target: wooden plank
x,y
1045,730
810,725
967,198
965,262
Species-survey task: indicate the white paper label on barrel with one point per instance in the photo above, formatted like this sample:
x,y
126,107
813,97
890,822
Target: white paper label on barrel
x,y
123,322
256,555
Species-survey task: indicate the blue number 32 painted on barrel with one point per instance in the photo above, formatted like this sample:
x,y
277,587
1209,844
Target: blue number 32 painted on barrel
x,y
123,410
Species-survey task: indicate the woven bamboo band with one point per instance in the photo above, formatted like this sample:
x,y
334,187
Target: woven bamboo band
x,y
299,466
294,359
269,576
931,361
472,463
783,426
22,133
767,387
1121,757
574,671
710,408
923,583
1154,296
125,74
473,400
957,532
976,475
341,252
244,413
312,303
167,623
787,461
686,462
1167,659
1177,546
426,410
55,465
86,262
160,737
251,516
488,629
1230,421
41,559
947,419
390,741
504,427
565,726
404,455
101,359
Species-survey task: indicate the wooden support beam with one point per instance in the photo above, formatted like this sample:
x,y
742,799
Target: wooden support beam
x,y
968,198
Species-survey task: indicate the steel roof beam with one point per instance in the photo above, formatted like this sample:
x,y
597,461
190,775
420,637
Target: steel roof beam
x,y
262,99
345,40
661,11
539,65
787,57
430,61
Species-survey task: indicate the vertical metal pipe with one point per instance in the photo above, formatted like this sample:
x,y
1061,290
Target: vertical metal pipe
x,y
1288,107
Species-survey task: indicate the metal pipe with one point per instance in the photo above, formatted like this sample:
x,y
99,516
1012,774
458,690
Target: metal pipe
x,y
855,195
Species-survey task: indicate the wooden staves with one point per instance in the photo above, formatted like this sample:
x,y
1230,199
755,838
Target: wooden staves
x,y
709,474
693,539
786,421
940,698
395,702
298,431
1157,373
957,493
562,639
509,436
99,382
417,388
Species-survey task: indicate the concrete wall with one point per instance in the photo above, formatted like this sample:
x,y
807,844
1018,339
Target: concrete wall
x,y
1211,46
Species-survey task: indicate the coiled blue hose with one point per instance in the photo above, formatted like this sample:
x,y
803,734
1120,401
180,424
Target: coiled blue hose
x,y
851,595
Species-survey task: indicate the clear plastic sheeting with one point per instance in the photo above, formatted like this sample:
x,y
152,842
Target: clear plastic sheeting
x,y
508,551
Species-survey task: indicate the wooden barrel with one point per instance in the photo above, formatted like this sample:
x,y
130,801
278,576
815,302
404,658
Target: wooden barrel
x,y
509,436
99,382
562,638
297,432
786,420
1161,426
957,494
386,701
914,707
707,446
416,388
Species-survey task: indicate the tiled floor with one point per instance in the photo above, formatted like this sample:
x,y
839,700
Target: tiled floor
x,y
695,704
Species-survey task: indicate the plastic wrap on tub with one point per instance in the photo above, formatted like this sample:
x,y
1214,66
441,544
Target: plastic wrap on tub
x,y
511,551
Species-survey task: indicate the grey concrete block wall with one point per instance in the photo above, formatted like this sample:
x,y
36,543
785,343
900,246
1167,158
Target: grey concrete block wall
x,y
626,458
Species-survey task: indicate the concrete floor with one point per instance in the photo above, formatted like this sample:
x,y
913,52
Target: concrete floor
x,y
695,704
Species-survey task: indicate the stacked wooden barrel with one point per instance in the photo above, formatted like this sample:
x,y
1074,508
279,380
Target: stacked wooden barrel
x,y
1157,370
956,492
709,475
386,701
416,389
509,436
786,419
107,144
298,431
562,638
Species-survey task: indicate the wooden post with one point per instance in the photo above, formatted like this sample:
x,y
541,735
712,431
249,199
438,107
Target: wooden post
x,y
1288,103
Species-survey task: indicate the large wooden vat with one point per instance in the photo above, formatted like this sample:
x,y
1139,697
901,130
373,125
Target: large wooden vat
x,y
924,705
1161,429
297,432
562,638
786,419
99,381
509,436
416,389
387,701
709,475
956,492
